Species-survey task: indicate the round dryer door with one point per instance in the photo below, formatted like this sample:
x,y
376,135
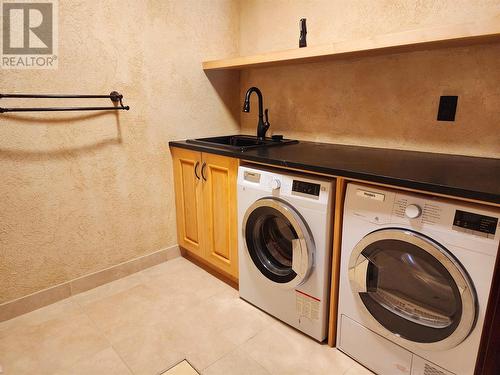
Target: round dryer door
x,y
414,287
278,241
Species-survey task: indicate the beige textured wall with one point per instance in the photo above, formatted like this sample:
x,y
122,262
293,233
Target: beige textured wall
x,y
385,101
82,192
267,25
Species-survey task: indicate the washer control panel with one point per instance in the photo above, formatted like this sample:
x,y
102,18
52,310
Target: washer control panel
x,y
303,188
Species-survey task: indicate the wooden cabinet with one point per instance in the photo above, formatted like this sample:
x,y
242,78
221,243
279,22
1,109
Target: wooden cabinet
x,y
206,207
188,199
220,212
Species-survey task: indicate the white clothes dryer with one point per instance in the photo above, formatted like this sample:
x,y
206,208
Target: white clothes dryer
x,y
415,277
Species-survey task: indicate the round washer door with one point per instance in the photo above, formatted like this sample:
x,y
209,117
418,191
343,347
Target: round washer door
x,y
413,287
278,241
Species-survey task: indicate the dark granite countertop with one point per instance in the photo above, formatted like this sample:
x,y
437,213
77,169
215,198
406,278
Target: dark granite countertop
x,y
461,176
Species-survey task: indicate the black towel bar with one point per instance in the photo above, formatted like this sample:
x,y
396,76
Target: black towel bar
x,y
114,96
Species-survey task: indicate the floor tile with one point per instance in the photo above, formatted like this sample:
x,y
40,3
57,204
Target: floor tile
x,y
239,320
201,337
151,350
61,309
282,350
50,346
124,313
183,282
276,353
147,322
183,368
357,369
196,334
106,362
236,362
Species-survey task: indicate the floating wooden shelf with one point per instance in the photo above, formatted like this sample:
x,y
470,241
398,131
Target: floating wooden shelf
x,y
413,40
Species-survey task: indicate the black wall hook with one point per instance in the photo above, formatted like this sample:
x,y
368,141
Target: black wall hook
x,y
303,33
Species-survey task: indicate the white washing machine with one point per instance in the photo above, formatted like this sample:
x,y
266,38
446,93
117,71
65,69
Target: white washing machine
x,y
285,245
415,277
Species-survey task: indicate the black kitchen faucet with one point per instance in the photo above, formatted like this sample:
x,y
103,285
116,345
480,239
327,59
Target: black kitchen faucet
x,y
261,126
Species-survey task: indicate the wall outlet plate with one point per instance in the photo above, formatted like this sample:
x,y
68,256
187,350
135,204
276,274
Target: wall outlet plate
x,y
447,108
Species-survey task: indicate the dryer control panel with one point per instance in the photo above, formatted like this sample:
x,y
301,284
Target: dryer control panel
x,y
470,222
449,221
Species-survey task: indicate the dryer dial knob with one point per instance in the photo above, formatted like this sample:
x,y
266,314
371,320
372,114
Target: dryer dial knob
x,y
275,184
413,211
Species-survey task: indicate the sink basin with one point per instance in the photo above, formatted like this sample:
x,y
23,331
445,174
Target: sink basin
x,y
240,142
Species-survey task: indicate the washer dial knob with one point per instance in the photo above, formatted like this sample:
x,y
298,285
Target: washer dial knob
x,y
413,211
275,184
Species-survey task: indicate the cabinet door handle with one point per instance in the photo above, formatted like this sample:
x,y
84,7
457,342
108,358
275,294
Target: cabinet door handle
x,y
196,169
203,171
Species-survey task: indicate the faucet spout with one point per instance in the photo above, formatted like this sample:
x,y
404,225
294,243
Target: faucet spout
x,y
261,126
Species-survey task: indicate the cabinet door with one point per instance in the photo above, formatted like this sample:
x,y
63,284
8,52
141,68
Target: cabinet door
x,y
188,199
220,215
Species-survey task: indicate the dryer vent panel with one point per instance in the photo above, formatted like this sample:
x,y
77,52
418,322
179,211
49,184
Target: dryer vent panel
x,y
422,367
431,370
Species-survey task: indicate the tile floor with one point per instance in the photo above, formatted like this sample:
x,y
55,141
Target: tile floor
x,y
148,322
183,368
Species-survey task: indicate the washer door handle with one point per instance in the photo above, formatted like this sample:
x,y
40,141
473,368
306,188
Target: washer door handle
x,y
299,252
357,274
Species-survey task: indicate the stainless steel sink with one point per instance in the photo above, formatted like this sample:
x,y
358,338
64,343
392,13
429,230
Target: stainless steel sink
x,y
240,142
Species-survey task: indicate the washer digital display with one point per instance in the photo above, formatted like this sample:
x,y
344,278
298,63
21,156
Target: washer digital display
x,y
306,187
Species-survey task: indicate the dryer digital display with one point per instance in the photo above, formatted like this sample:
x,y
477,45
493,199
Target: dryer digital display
x,y
475,222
